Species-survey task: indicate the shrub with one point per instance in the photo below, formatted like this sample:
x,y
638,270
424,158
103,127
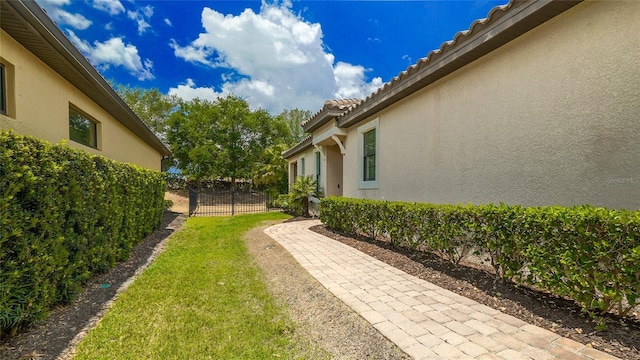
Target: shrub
x,y
296,202
168,204
64,216
589,254
288,204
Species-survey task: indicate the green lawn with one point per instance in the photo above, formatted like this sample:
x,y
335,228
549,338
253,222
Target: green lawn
x,y
203,298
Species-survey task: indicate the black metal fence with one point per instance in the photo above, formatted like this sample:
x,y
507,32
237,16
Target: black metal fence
x,y
211,202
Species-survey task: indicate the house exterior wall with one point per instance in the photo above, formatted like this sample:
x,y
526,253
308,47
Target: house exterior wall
x,y
551,117
41,99
309,164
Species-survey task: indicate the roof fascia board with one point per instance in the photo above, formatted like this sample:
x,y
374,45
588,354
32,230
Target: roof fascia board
x,y
321,119
299,147
329,134
493,36
41,24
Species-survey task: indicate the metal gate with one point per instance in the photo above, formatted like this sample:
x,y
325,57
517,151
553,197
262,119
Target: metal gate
x,y
211,202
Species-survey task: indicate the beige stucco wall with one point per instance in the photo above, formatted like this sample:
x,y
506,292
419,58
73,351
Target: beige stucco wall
x,y
552,117
309,164
41,98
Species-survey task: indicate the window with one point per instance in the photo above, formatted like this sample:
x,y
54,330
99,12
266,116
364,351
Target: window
x,y
369,162
82,129
302,167
318,166
368,155
7,85
3,91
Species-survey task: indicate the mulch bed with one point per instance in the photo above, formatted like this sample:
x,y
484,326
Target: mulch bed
x,y
49,338
562,316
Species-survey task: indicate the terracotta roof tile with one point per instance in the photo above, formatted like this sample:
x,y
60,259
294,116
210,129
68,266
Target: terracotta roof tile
x,y
475,26
331,108
520,16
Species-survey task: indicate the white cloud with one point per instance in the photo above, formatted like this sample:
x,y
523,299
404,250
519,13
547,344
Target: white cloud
x,y
350,81
191,54
55,11
141,17
114,52
189,91
168,22
113,7
281,59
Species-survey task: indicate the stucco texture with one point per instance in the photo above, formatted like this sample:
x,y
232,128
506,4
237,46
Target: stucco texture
x,y
41,99
550,118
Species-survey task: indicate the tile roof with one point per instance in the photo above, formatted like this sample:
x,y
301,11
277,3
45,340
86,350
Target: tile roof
x,y
303,145
28,23
331,109
503,24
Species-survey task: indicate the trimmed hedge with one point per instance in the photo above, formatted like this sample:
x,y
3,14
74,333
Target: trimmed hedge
x,y
65,215
589,254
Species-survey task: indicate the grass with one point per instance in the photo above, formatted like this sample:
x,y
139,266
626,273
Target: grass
x,y
203,298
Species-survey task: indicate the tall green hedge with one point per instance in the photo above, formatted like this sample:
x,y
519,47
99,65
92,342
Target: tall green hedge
x,y
64,216
589,254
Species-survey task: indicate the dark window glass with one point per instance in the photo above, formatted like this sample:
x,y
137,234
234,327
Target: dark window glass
x,y
318,166
370,155
82,129
3,91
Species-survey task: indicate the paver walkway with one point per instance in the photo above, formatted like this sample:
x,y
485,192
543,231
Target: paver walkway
x,y
424,320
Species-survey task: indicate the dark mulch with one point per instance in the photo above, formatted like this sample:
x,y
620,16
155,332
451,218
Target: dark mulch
x,y
49,338
621,339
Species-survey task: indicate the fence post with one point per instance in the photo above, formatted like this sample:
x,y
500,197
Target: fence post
x,y
233,201
193,201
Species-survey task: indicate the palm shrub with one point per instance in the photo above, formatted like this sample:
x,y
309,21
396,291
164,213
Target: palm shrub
x,y
302,189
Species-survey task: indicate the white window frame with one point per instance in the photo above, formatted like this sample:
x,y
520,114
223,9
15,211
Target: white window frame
x,y
371,125
318,169
302,164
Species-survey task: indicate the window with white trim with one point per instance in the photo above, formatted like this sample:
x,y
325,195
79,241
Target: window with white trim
x,y
302,172
368,155
318,169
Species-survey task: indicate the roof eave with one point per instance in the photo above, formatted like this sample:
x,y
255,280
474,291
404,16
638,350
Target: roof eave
x,y
93,84
517,20
322,118
303,145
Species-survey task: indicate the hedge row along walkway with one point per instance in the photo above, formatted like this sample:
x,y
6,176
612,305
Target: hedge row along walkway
x,y
424,320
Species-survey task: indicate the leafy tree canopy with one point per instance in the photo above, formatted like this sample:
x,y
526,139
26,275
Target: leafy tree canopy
x,y
222,138
151,106
293,119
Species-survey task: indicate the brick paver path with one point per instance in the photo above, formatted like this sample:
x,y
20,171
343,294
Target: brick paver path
x,y
424,320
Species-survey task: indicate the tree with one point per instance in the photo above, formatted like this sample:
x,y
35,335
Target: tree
x,y
271,169
151,106
222,139
293,119
192,136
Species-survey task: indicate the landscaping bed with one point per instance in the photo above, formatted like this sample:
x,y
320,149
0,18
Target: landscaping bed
x,y
50,338
564,317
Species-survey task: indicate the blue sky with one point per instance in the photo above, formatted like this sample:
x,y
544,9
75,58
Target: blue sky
x,y
277,55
